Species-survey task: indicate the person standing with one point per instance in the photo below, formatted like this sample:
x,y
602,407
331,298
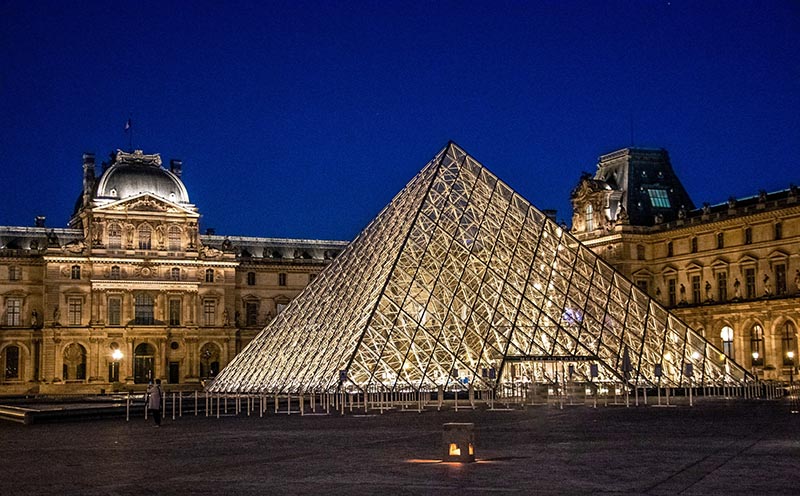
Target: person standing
x,y
155,398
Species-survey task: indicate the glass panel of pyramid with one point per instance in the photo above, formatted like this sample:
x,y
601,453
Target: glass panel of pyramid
x,y
459,280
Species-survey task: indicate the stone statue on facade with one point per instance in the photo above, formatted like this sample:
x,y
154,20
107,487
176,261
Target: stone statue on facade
x,y
736,289
797,280
683,295
767,286
708,292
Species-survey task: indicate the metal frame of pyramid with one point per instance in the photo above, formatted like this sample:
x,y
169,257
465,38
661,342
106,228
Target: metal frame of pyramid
x,y
459,280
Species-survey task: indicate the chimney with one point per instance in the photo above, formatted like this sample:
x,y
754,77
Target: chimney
x,y
39,221
175,166
88,177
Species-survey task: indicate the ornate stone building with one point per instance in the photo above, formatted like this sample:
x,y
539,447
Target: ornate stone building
x,y
730,270
131,290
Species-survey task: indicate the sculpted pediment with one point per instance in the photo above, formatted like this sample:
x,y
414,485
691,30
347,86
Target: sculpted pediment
x,y
144,203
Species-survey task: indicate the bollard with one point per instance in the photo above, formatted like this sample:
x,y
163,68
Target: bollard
x,y
173,405
458,442
128,408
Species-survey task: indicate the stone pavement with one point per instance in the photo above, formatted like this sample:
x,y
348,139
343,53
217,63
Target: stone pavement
x,y
717,447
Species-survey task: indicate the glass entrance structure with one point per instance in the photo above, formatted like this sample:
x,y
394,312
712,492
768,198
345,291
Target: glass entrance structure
x,y
460,281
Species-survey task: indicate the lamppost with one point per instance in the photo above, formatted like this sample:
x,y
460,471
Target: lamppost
x,y
755,360
790,355
116,355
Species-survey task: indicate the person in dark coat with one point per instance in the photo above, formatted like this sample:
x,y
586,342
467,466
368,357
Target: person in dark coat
x,y
155,399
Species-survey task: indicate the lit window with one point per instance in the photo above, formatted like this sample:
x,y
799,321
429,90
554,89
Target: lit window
x,y
589,219
659,198
13,311
75,273
74,310
727,341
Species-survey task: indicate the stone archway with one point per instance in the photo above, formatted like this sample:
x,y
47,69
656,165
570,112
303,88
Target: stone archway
x,y
144,358
74,366
209,360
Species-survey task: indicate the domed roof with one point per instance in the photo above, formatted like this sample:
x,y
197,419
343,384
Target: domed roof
x,y
134,173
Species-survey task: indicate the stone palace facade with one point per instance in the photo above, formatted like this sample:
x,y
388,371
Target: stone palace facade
x,y
131,291
730,270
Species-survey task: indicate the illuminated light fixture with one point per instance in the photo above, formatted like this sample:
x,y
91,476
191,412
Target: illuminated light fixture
x,y
116,354
695,355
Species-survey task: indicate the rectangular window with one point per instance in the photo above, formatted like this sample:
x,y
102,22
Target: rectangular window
x,y
720,241
251,313
13,311
144,238
722,286
658,198
174,238
251,278
778,231
750,283
696,298
780,279
174,311
74,308
114,311
642,283
209,275
75,273
639,252
14,273
282,279
209,312
670,250
143,309
672,296
694,245
114,236
748,236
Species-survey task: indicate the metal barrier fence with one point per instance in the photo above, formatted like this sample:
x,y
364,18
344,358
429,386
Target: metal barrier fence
x,y
178,403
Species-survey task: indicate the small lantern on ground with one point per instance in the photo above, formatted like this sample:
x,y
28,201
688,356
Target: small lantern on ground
x,y
458,442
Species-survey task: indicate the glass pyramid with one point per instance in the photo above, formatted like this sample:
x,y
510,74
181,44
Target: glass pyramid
x,y
459,280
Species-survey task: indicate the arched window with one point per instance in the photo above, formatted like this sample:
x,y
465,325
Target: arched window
x,y
145,237
727,341
174,238
789,344
75,273
115,272
74,368
589,218
143,311
11,363
175,274
209,275
757,345
209,360
114,236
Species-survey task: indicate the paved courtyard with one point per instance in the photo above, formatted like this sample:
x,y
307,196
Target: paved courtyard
x,y
717,447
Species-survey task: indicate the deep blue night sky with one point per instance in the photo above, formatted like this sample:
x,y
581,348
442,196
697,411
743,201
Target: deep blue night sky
x,y
303,119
